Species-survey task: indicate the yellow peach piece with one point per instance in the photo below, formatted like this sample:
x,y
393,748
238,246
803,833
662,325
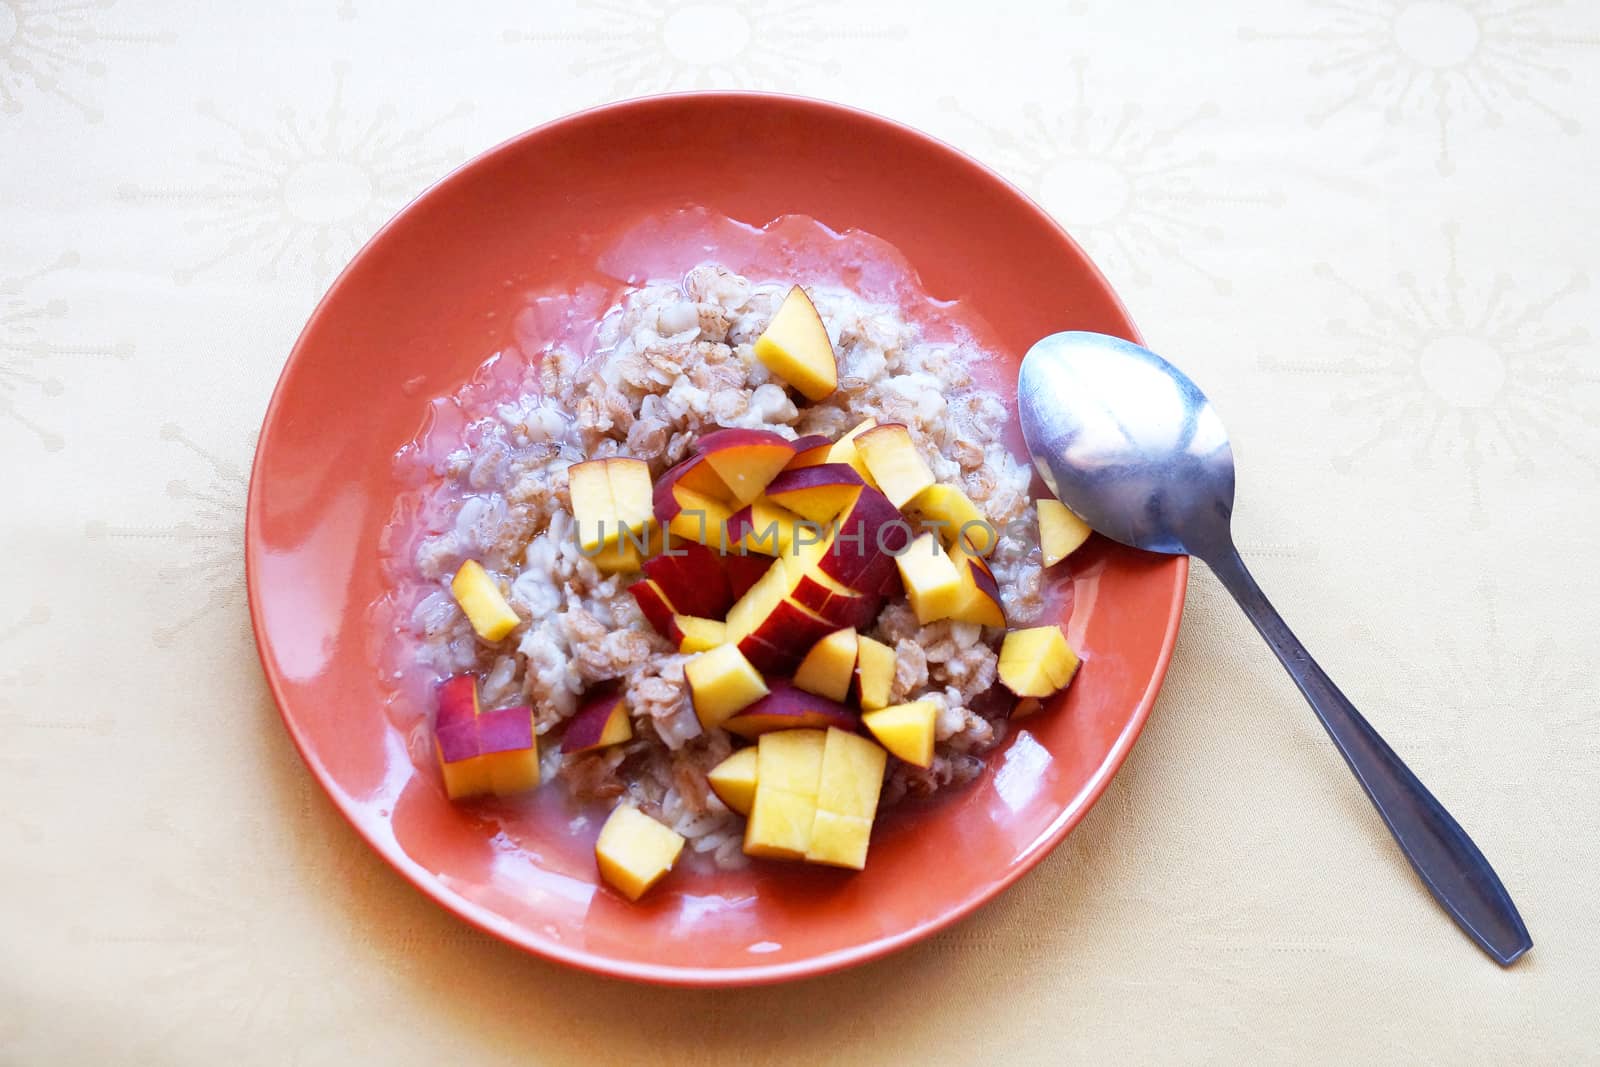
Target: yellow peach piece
x,y
464,778
602,721
769,530
759,601
513,772
700,518
932,583
979,600
618,727
1036,662
456,741
510,749
907,730
896,465
790,760
635,851
1060,531
1027,678
788,771
631,549
839,840
779,827
847,800
593,505
852,774
632,502
874,673
721,683
795,347
955,515
844,451
745,460
481,602
611,497
734,780
699,635
623,557
828,668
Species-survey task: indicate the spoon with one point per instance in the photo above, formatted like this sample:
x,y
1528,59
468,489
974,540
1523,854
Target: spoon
x,y
1129,443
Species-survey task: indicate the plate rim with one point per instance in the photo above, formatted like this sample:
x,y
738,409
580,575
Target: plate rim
x,y
581,959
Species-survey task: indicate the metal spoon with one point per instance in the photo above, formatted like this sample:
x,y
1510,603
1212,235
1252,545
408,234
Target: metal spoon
x,y
1129,443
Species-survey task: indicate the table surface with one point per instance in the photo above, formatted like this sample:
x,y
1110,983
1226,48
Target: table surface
x,y
1363,226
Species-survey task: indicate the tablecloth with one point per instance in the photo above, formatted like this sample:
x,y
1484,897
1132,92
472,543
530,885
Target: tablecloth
x,y
1364,226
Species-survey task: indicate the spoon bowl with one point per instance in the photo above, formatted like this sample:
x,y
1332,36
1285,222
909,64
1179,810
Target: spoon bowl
x,y
1129,443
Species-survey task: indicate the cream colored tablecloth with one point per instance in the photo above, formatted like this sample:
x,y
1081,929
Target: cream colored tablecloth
x,y
1363,225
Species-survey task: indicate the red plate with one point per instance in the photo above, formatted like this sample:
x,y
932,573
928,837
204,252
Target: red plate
x,y
429,299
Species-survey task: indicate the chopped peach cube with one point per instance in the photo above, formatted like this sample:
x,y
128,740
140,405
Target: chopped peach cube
x,y
1027,706
788,771
510,749
932,583
810,450
635,851
955,515
699,518
852,774
480,751
1060,531
839,840
750,611
511,773
734,780
721,683
629,552
593,506
789,707
455,738
699,635
816,493
482,602
610,497
874,672
844,451
896,465
1037,662
464,776
790,759
847,800
620,558
979,600
765,527
907,730
795,346
745,460
657,608
631,492
829,666
779,827
600,722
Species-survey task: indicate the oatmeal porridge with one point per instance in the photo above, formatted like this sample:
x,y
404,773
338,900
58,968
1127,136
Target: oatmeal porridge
x,y
596,563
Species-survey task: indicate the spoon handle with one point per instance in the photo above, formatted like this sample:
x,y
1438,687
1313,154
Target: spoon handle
x,y
1442,854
